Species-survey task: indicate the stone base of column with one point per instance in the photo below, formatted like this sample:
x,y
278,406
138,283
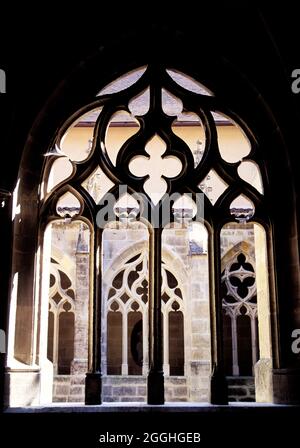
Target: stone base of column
x,y
218,387
22,388
286,386
93,388
264,381
198,375
155,388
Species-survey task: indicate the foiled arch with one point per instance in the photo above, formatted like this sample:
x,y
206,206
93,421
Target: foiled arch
x,y
244,247
116,265
174,265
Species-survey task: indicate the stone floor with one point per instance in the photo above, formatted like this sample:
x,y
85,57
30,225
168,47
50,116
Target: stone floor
x,y
202,408
72,425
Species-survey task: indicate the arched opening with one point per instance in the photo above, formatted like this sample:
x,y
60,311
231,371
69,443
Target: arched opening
x,y
65,291
245,293
127,321
82,187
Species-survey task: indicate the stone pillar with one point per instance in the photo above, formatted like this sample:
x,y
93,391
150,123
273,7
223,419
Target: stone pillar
x,y
80,362
198,366
5,220
218,384
285,312
82,293
145,344
166,364
286,385
93,380
43,262
124,367
156,374
263,368
25,217
23,375
235,364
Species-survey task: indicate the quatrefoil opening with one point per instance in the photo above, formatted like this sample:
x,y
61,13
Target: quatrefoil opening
x,y
155,166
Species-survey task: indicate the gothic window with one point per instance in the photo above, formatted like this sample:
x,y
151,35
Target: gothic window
x,y
157,175
65,292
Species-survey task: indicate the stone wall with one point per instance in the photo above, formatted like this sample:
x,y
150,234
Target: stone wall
x,y
68,388
61,388
116,388
134,389
198,330
241,388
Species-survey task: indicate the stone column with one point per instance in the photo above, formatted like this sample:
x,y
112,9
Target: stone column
x,y
263,368
93,380
156,374
166,344
283,239
145,344
199,322
218,384
5,219
79,365
42,291
82,294
23,377
124,344
235,361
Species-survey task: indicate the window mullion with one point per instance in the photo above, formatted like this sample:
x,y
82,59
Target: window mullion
x,y
156,375
93,384
218,385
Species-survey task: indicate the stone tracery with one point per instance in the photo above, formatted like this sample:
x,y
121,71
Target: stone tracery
x,y
129,292
239,299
